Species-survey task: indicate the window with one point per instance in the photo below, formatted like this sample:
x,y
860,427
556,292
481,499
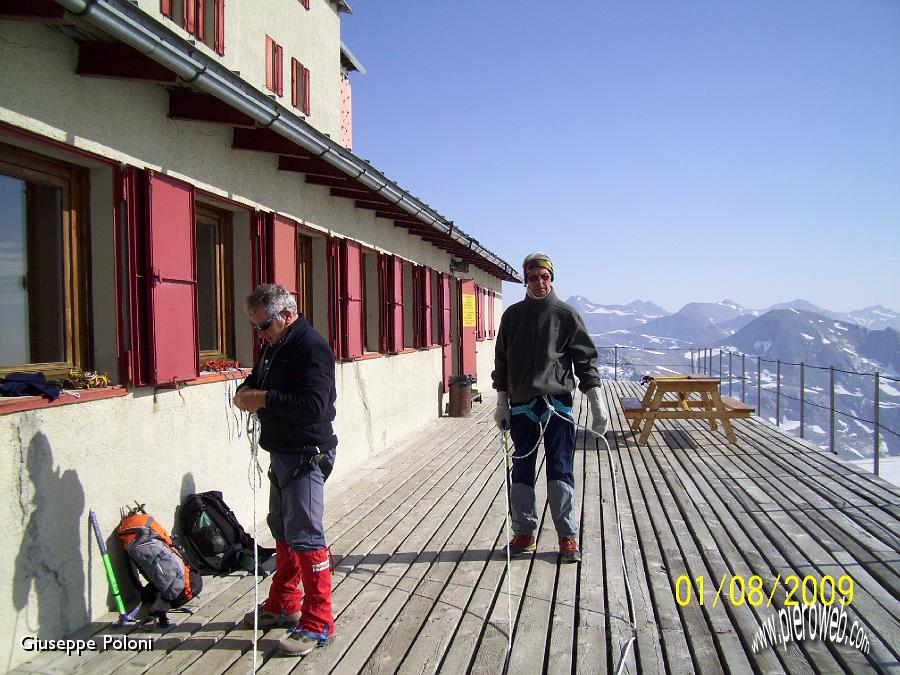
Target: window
x,y
372,301
391,273
436,307
204,19
423,306
274,66
445,307
492,332
43,274
214,283
409,305
300,86
479,313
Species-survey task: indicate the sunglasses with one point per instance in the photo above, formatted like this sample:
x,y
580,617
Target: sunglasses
x,y
264,325
544,276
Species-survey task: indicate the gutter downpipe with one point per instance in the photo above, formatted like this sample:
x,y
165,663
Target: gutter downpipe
x,y
133,31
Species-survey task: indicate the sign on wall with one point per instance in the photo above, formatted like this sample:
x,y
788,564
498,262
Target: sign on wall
x,y
468,310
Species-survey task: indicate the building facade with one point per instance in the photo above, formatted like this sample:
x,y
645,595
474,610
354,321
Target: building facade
x,y
159,159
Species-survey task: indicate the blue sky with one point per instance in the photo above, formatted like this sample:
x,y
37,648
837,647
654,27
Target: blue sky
x,y
667,151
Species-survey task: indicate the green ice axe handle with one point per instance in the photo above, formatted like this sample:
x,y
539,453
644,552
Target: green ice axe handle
x,y
107,565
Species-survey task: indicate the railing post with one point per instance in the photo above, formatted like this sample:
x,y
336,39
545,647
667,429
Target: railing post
x,y
730,371
759,386
778,393
877,424
616,363
831,418
720,363
743,376
802,398
692,361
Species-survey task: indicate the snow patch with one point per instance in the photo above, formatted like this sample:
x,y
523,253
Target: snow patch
x,y
807,337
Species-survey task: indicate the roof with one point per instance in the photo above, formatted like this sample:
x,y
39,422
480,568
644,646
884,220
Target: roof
x,y
349,60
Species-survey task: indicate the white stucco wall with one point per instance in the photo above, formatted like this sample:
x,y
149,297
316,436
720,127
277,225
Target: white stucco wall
x,y
312,36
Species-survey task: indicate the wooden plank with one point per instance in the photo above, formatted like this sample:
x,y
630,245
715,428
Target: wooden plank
x,y
397,613
661,608
827,556
742,543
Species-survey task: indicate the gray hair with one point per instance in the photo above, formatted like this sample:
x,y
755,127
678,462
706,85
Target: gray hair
x,y
273,298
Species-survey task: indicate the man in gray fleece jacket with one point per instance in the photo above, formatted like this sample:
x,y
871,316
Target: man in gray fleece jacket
x,y
540,342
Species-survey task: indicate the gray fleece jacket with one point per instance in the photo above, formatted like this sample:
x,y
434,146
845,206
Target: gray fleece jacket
x,y
538,345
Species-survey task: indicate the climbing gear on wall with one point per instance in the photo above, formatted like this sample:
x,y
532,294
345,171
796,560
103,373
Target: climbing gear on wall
x,y
87,379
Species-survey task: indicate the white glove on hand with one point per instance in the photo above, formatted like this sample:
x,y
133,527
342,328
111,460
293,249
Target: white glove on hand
x,y
501,414
599,416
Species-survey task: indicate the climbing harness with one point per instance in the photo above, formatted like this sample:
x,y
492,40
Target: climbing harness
x,y
554,407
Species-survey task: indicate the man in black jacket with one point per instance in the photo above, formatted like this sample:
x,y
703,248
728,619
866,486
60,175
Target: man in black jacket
x,y
541,341
292,392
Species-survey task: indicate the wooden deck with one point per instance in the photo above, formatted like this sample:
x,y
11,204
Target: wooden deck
x,y
421,586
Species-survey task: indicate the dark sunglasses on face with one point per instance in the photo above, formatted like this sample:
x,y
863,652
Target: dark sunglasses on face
x,y
534,278
264,325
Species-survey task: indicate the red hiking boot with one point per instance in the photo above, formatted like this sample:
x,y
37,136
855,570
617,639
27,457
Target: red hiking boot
x,y
568,550
522,543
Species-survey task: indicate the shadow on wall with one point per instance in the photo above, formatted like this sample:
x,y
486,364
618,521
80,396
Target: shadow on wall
x,y
188,487
49,567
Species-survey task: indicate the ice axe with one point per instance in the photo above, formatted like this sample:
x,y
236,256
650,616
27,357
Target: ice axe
x,y
124,617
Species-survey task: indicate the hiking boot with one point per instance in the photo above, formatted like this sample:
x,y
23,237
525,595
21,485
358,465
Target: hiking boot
x,y
568,550
271,619
522,543
300,642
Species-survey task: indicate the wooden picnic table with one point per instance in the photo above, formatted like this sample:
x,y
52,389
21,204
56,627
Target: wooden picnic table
x,y
689,397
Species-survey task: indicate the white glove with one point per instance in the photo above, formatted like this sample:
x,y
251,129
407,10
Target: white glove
x,y
501,414
599,416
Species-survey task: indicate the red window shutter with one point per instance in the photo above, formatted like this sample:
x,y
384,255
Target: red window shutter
x,y
219,22
283,254
173,287
492,333
394,305
306,103
295,81
189,16
137,356
351,302
383,305
201,20
270,64
305,4
335,319
165,6
279,70
425,301
445,309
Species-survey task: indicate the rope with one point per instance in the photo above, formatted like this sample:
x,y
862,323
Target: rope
x,y
506,468
623,654
254,477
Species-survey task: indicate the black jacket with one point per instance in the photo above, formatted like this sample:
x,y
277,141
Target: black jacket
x,y
298,374
538,345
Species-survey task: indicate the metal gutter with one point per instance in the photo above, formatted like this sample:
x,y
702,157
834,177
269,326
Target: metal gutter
x,y
130,25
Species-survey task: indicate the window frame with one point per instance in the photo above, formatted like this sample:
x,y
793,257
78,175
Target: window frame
x,y
224,269
73,181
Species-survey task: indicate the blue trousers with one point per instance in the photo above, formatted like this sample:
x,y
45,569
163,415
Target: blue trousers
x,y
559,450
297,505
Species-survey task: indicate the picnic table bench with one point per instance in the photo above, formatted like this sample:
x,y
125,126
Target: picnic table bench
x,y
691,397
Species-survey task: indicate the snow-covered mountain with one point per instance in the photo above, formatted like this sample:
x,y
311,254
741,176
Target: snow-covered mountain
x,y
605,318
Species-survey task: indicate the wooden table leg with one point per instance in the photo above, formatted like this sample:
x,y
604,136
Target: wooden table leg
x,y
726,423
709,406
650,416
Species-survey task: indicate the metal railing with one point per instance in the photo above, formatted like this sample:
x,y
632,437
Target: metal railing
x,y
722,363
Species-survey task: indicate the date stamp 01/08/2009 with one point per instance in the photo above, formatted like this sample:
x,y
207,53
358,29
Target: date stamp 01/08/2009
x,y
100,643
806,590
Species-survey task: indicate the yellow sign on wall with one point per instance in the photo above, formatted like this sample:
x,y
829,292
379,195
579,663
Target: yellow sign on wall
x,y
468,310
